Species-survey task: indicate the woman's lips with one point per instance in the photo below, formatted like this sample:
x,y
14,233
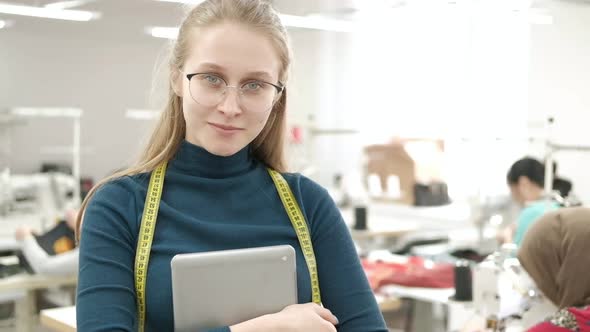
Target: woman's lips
x,y
225,129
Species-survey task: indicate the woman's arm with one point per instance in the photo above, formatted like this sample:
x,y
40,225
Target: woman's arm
x,y
106,290
343,283
41,262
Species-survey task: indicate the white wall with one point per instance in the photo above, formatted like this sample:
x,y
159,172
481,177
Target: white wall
x,y
104,77
338,89
560,85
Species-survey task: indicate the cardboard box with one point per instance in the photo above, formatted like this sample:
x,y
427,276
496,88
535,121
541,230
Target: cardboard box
x,y
387,160
411,160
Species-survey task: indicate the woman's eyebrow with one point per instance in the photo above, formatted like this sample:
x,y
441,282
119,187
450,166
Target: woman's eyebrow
x,y
259,74
210,66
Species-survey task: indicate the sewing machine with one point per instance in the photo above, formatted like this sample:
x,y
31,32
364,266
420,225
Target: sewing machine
x,y
46,194
505,295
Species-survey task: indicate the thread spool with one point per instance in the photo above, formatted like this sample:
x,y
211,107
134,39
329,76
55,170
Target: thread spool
x,y
463,281
360,218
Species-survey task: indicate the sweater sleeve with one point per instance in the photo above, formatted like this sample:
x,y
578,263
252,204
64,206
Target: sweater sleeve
x,y
343,284
106,291
61,264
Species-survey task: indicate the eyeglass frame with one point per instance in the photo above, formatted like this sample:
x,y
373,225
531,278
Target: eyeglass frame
x,y
280,87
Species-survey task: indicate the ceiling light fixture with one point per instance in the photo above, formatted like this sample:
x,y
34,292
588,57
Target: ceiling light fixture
x,y
67,4
44,12
316,22
306,22
47,112
163,32
139,114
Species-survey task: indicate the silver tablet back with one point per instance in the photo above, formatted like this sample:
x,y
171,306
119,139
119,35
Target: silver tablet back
x,y
220,288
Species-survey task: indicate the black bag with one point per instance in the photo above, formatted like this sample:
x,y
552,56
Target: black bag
x,y
433,194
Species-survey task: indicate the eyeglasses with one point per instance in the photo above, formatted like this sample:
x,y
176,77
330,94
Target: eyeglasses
x,y
254,95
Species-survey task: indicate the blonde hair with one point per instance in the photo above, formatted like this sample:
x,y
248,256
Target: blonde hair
x,y
170,130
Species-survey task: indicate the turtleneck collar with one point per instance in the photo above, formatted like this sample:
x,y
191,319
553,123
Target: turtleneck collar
x,y
195,160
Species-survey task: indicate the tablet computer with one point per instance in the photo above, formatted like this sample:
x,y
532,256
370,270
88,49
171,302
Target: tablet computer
x,y
223,288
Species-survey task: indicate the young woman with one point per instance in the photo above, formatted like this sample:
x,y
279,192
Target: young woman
x,y
222,128
526,179
555,254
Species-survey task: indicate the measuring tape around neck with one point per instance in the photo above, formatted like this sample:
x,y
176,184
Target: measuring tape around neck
x,y
148,225
146,235
300,226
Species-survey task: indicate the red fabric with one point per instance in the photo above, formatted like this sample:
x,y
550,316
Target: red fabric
x,y
582,316
547,327
413,273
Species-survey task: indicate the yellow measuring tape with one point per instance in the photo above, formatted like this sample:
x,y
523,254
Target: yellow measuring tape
x,y
148,224
300,226
146,235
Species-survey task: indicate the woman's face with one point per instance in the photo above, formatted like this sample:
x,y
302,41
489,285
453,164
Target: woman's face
x,y
516,194
525,190
224,121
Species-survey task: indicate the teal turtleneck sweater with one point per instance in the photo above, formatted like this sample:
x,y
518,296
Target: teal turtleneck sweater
x,y
211,203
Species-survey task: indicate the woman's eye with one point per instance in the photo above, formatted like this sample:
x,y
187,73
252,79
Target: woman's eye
x,y
213,79
253,86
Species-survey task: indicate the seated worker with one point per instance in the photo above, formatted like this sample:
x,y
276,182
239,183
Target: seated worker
x,y
40,261
554,252
526,179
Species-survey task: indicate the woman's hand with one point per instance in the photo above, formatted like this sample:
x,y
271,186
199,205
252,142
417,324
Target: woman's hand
x,y
506,234
306,317
294,318
22,232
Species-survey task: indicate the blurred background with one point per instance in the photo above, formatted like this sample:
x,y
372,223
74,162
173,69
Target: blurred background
x,y
483,76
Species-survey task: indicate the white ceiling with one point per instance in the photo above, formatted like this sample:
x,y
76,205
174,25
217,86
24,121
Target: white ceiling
x,y
124,19
120,19
127,19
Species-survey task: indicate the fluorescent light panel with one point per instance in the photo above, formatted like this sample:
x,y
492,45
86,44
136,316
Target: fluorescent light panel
x,y
314,22
6,24
142,114
163,32
67,4
48,112
43,12
308,22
